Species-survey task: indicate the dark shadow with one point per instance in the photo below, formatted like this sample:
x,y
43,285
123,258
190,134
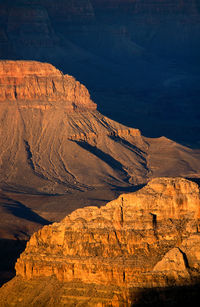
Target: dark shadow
x,y
29,155
196,180
19,210
103,156
184,258
10,251
128,145
169,296
128,189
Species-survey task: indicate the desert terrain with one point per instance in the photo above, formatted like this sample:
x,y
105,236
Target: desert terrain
x,y
100,155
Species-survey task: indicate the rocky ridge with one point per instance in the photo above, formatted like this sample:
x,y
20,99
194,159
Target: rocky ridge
x,y
149,238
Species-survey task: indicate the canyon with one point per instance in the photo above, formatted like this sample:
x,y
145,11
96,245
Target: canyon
x,y
140,54
49,123
58,154
94,211
104,256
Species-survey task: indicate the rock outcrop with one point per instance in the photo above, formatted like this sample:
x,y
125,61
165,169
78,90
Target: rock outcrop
x,y
23,81
116,238
149,238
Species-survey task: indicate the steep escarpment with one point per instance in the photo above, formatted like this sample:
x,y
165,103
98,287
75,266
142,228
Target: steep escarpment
x,y
54,140
149,238
150,221
33,82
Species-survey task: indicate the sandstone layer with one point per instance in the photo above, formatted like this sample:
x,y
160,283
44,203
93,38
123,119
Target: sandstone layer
x,y
149,238
35,82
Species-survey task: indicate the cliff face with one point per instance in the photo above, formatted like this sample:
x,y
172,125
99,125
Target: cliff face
x,y
150,221
70,11
143,239
34,82
146,7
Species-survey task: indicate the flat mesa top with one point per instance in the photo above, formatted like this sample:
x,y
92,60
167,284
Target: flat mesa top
x,y
24,68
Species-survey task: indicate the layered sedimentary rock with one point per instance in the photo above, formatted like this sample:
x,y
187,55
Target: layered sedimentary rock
x,y
69,11
109,244
153,6
52,135
41,82
149,238
136,46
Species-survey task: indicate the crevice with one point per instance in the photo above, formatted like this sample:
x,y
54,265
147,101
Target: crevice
x,y
124,276
119,243
184,258
122,212
53,87
15,92
29,155
154,223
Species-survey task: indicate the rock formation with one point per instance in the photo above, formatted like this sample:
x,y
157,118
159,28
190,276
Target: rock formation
x,y
149,238
65,11
148,7
150,221
56,136
125,51
23,81
54,141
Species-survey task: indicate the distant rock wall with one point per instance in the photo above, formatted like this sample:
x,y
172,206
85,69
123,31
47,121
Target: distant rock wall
x,y
69,10
149,6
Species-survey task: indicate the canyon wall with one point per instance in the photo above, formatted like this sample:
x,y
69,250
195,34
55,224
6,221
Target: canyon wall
x,y
149,238
148,222
33,82
152,6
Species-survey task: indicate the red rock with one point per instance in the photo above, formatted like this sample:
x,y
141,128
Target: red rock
x,y
33,82
144,239
121,242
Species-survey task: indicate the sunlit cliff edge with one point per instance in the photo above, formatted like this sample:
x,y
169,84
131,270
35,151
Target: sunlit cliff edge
x,y
98,256
30,81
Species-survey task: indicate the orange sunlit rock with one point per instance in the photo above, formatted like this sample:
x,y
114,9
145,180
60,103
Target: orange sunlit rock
x,y
40,83
122,243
